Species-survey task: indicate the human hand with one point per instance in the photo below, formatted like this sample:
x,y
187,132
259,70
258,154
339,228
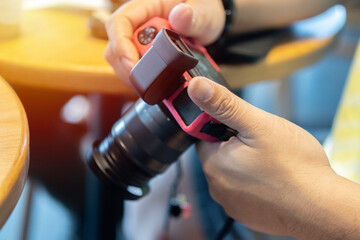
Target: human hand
x,y
200,19
270,174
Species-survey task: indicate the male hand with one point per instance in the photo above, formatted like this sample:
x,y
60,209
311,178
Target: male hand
x,y
267,176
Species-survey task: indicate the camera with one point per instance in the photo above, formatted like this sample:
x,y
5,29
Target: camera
x,y
164,122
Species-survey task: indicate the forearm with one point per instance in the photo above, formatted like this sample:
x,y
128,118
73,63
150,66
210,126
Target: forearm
x,y
252,15
330,211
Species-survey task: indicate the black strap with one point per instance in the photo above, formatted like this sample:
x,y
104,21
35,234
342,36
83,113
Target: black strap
x,y
229,9
219,130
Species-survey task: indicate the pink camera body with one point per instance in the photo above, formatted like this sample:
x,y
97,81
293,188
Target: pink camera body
x,y
167,65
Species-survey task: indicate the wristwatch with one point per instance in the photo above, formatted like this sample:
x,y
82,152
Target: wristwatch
x,y
220,43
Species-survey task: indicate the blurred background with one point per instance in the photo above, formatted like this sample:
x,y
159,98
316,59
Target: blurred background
x,y
52,203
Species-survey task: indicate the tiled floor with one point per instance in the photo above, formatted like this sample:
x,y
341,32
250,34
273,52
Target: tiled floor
x,y
313,92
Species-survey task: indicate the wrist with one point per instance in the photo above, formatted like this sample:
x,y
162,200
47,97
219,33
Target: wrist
x,y
327,209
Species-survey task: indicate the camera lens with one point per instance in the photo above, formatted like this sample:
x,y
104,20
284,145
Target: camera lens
x,y
142,144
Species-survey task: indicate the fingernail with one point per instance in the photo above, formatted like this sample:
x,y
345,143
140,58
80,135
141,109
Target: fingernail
x,y
201,89
185,10
190,11
127,63
186,5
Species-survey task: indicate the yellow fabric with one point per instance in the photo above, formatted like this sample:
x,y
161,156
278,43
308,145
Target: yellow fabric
x,y
345,155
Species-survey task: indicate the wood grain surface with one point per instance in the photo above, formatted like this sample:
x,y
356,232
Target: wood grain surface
x,y
14,147
56,50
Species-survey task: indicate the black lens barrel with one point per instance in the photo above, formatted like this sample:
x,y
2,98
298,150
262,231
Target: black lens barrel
x,y
142,144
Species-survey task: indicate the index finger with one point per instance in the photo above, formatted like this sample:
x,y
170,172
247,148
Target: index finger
x,y
124,21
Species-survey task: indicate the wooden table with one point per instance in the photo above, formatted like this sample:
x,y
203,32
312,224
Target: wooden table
x,y
14,146
56,51
306,42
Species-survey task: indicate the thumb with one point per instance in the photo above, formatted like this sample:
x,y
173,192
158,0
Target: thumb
x,y
228,108
192,19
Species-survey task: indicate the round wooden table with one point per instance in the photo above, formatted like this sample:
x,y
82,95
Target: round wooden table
x,y
14,146
303,44
56,51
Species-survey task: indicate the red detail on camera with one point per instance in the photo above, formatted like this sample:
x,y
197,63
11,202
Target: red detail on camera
x,y
143,39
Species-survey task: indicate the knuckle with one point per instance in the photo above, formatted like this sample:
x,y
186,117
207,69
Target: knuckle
x,y
228,211
214,193
108,55
226,107
109,59
109,23
209,171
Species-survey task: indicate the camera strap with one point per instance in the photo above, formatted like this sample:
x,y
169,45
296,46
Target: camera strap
x,y
219,130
